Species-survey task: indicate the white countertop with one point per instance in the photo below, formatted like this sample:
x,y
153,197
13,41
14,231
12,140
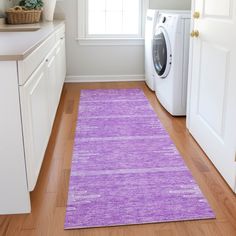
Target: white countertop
x,y
16,46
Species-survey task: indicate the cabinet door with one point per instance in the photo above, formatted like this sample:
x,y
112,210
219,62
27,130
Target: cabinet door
x,y
61,64
63,59
36,124
52,85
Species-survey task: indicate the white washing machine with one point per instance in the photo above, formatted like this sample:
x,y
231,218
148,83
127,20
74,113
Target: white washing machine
x,y
170,58
151,20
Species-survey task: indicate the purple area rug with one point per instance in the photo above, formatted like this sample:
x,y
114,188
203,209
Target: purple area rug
x,y
125,168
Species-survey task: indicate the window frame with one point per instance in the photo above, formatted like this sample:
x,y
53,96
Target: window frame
x,y
110,36
104,39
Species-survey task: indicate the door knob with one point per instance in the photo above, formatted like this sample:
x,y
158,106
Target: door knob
x,y
195,33
196,15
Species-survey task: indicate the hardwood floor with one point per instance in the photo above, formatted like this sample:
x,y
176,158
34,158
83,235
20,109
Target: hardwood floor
x,y
50,196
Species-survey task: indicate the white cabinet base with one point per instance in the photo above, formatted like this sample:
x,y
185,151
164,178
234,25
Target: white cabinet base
x,y
14,194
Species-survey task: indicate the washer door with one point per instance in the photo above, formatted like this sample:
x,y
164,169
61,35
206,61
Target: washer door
x,y
162,56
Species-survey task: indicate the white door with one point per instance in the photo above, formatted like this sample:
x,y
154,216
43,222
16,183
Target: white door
x,y
212,83
36,125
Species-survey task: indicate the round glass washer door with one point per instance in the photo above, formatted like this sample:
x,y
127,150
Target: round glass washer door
x,y
162,55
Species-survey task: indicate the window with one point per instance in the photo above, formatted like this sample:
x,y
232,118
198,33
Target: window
x,y
114,17
111,22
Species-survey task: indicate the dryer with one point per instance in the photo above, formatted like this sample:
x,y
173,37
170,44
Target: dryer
x,y
170,59
151,20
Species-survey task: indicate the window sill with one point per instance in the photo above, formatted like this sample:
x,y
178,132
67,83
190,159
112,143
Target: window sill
x,y
110,41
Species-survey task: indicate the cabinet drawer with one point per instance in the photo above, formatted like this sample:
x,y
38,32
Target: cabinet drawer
x,y
27,66
60,33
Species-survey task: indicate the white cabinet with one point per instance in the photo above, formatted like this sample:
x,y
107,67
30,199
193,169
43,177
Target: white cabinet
x,y
36,122
29,95
40,95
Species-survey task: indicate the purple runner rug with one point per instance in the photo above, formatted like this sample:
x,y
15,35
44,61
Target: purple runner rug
x,y
125,168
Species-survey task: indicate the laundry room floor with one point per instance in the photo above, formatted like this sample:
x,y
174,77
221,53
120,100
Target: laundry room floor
x,y
50,196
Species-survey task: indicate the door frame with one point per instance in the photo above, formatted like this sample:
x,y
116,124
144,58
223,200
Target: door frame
x,y
190,67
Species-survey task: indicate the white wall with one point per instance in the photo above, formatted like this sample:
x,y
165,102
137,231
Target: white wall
x,y
97,62
170,4
88,62
4,4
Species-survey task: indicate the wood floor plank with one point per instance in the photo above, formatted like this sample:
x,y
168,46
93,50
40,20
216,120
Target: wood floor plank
x,y
28,233
210,229
54,185
63,188
50,195
4,224
43,209
68,155
69,106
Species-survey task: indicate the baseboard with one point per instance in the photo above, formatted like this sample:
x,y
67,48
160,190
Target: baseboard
x,y
104,78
